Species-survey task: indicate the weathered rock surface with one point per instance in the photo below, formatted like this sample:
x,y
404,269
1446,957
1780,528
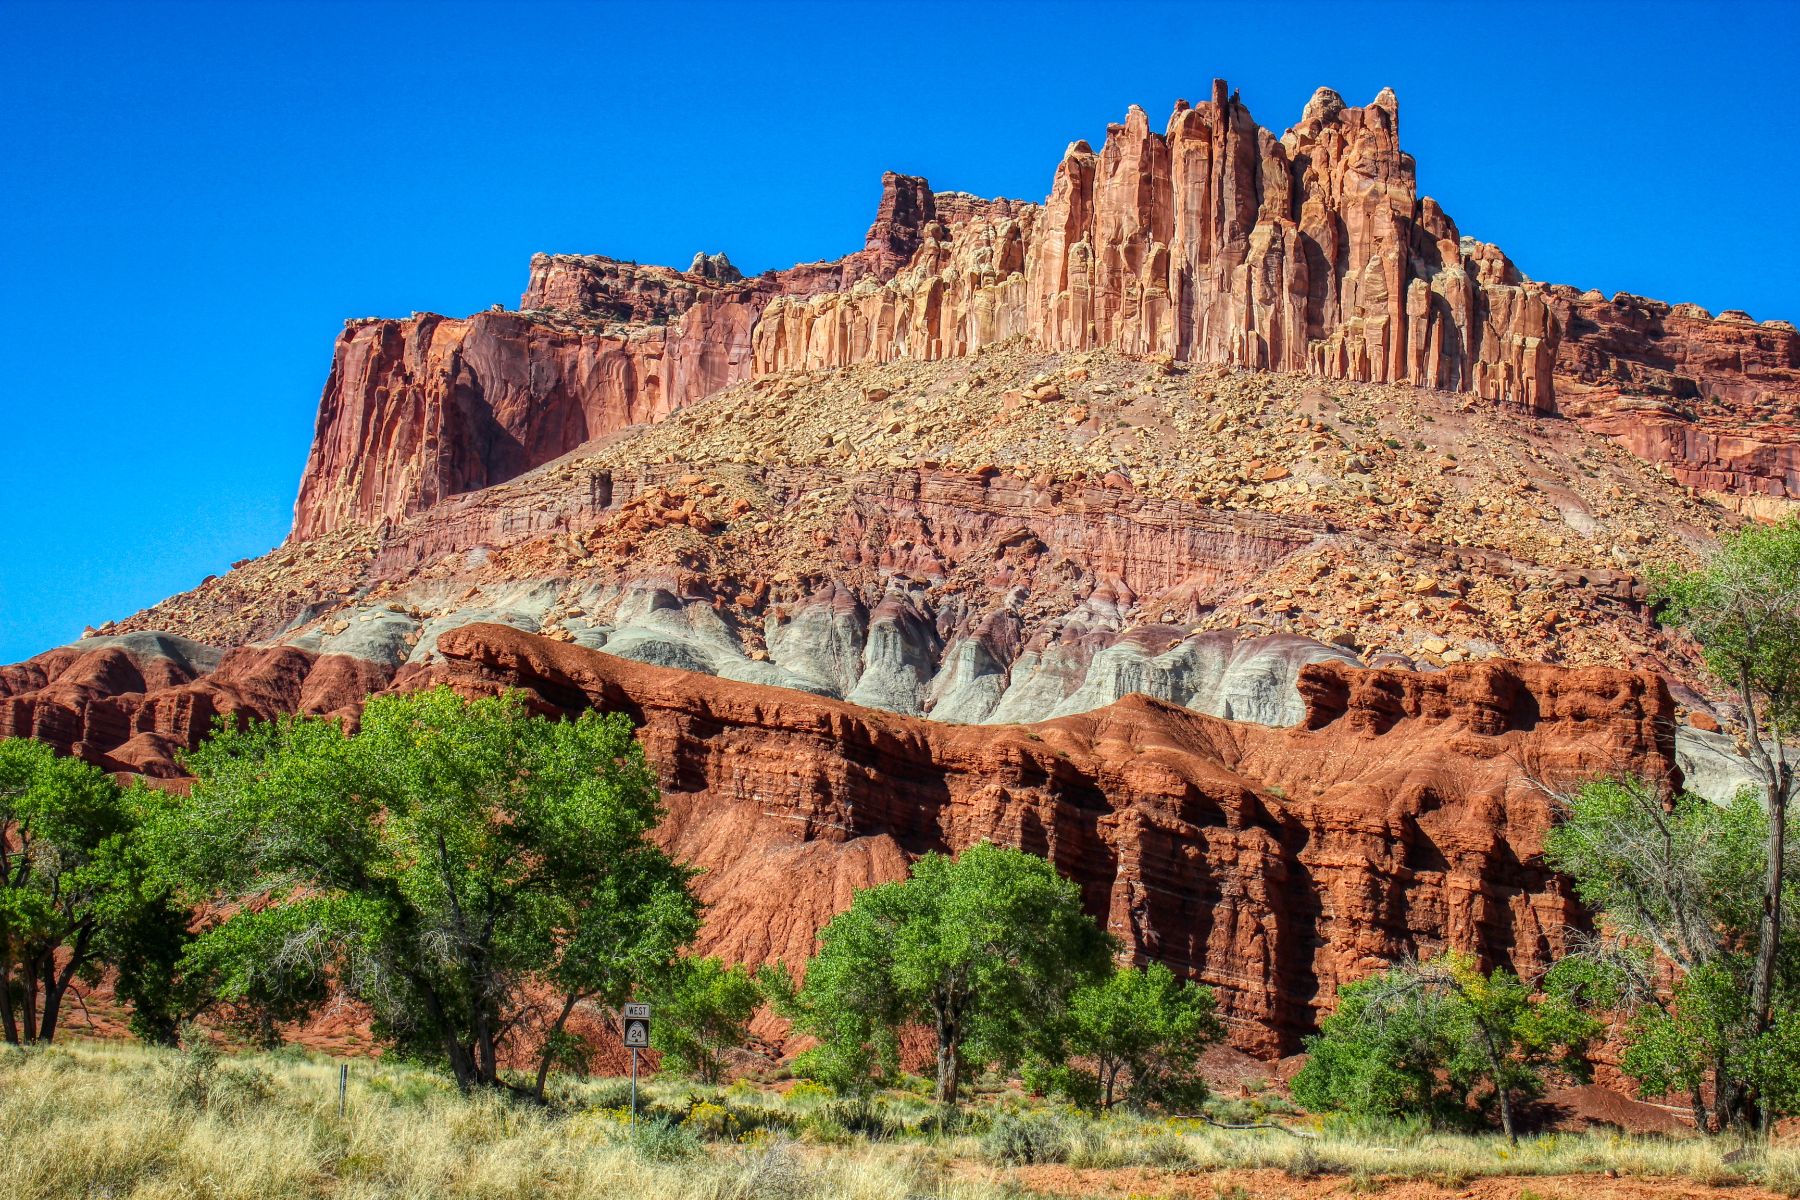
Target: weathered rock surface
x,y
131,704
1211,242
429,407
1397,818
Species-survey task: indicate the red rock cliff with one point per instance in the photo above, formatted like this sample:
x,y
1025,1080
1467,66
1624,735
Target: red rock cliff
x,y
1213,241
1400,818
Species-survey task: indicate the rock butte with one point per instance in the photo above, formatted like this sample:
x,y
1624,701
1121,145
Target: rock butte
x,y
1213,242
1210,528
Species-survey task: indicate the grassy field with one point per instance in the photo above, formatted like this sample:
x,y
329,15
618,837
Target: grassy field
x,y
114,1120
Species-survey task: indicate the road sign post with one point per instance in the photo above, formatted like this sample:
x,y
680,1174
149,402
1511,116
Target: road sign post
x,y
634,1028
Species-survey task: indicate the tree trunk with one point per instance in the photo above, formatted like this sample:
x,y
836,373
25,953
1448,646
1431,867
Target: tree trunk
x,y
1770,761
53,994
57,983
8,1021
1496,1063
1768,942
462,1067
949,1054
1728,1097
28,977
543,1071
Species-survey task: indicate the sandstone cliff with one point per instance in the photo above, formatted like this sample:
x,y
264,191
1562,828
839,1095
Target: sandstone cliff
x,y
1400,817
1191,528
1214,241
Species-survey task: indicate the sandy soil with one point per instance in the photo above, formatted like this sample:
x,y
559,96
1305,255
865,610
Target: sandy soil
x,y
1144,1183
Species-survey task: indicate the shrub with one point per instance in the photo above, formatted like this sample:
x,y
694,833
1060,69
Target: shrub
x,y
1021,1140
659,1139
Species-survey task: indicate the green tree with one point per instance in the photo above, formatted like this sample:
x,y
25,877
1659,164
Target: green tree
x,y
1144,1031
1426,1037
1678,885
984,950
76,892
1743,607
703,1010
472,872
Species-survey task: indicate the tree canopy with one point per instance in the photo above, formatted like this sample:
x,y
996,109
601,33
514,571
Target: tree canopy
x,y
469,870
703,1009
1677,884
984,950
1743,607
1426,1038
76,890
1136,1036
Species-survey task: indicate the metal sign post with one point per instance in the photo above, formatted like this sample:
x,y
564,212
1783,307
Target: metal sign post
x,y
343,1085
634,1026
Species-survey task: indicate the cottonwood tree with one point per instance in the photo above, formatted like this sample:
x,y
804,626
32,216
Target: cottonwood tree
x,y
472,872
703,1010
1678,885
1427,1037
1143,1030
76,889
1743,607
984,950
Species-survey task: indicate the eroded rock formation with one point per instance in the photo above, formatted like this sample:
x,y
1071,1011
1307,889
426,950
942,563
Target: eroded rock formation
x,y
1399,817
1213,241
1067,525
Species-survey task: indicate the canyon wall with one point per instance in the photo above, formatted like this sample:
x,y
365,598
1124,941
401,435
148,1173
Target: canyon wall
x,y
421,409
1400,817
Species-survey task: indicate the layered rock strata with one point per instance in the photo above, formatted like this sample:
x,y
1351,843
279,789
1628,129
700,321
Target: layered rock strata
x,y
1214,241
1401,816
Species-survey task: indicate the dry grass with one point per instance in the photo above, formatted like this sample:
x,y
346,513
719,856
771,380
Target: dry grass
x,y
102,1120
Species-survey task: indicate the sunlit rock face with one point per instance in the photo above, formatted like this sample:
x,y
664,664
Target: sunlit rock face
x,y
1214,241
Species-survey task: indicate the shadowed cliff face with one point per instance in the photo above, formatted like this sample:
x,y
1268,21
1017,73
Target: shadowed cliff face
x,y
1211,242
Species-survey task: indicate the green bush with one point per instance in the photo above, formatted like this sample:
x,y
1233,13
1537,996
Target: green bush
x,y
860,1116
1023,1140
660,1139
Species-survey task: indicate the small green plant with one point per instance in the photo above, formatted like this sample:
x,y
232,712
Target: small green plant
x,y
198,1079
660,1140
1023,1140
195,1069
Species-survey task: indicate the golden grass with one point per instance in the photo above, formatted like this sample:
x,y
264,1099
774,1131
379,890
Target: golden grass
x,y
97,1120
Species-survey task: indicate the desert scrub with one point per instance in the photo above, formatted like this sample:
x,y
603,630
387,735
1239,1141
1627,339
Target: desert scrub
x,y
1027,1139
92,1119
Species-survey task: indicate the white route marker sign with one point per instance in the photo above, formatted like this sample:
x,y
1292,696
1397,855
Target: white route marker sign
x,y
635,1026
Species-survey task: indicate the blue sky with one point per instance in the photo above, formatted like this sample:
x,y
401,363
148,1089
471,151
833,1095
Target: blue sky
x,y
195,196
